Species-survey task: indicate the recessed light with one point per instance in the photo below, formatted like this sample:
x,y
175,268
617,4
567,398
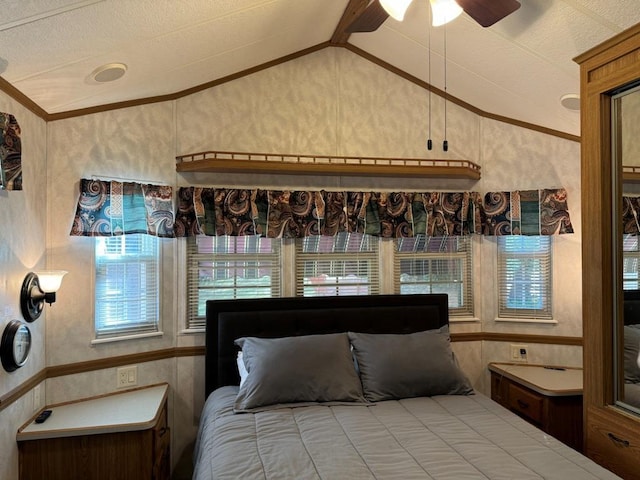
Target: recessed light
x,y
570,101
109,72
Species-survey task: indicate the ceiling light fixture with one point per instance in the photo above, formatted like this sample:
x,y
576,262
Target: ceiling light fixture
x,y
444,11
109,72
570,101
396,8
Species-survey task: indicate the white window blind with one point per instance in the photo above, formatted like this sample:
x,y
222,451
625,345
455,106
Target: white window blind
x,y
344,264
436,265
127,285
630,262
524,277
225,267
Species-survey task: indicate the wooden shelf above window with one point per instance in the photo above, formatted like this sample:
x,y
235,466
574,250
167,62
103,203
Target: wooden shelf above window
x,y
238,162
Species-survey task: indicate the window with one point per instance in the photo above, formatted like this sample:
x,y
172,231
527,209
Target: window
x,y
524,277
436,265
630,262
224,267
127,285
345,264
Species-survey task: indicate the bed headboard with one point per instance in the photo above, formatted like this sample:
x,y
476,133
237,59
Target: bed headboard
x,y
284,317
631,307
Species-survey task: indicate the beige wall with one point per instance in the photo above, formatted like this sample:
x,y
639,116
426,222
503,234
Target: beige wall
x,y
331,102
23,237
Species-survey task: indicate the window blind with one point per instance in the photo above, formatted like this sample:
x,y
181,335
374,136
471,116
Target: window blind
x,y
344,264
127,285
226,267
525,277
436,265
630,262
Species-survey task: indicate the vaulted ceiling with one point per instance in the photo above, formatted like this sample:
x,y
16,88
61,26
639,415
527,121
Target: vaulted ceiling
x,y
518,68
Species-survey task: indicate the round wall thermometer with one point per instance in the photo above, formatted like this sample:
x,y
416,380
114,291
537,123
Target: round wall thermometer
x,y
15,346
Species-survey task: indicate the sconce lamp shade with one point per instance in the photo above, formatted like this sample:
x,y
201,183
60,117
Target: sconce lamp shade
x,y
38,288
443,11
50,280
396,8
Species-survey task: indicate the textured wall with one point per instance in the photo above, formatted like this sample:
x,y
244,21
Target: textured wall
x,y
331,102
23,238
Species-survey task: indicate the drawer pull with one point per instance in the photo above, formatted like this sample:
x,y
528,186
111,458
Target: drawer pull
x,y
618,440
522,404
162,431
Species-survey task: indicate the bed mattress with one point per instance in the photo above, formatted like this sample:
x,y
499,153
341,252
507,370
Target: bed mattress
x,y
452,437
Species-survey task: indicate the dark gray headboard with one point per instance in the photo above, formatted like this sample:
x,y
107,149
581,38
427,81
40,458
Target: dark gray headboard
x,y
631,307
283,317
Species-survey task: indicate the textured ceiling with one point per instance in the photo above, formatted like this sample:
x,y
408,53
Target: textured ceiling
x,y
518,68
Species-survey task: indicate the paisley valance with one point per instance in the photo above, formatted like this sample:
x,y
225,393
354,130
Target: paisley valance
x,y
294,214
10,153
111,208
527,212
108,208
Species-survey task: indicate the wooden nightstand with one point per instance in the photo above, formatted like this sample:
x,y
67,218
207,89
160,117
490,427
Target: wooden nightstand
x,y
124,435
548,397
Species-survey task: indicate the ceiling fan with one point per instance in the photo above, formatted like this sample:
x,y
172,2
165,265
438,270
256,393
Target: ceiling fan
x,y
485,12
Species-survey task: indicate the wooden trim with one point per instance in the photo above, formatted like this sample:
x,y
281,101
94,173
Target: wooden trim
x,y
141,357
354,9
51,117
277,163
603,70
183,93
22,389
609,45
457,101
516,338
100,364
198,350
22,99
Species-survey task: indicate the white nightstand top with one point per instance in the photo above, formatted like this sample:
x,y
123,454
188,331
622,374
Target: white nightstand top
x,y
126,411
552,381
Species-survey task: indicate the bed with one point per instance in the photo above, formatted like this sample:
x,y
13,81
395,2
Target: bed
x,y
356,388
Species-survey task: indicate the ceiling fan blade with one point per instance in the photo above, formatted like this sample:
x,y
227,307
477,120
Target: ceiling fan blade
x,y
488,12
371,18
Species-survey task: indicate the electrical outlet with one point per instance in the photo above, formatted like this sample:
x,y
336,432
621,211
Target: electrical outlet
x,y
519,353
37,397
127,376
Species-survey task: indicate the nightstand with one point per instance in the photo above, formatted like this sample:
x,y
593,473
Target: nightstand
x,y
548,397
124,435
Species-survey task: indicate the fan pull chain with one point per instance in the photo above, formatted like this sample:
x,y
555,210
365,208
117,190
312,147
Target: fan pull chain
x,y
429,141
445,143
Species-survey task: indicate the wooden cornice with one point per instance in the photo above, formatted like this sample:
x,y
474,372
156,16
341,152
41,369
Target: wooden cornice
x,y
243,162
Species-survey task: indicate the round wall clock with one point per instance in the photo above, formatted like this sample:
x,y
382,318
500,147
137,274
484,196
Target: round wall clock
x,y
15,345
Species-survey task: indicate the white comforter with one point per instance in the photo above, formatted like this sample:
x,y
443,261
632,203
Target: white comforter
x,y
443,437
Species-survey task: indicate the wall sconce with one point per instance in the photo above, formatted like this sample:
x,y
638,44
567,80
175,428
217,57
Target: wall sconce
x,y
37,288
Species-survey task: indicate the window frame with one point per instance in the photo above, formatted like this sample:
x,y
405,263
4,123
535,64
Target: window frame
x,y
341,241
463,253
193,322
529,315
140,328
630,254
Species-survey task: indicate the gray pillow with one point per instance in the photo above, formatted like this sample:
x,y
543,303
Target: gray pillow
x,y
297,370
410,365
631,351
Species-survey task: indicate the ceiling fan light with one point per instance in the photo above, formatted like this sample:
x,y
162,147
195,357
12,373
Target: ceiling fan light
x,y
443,11
396,8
